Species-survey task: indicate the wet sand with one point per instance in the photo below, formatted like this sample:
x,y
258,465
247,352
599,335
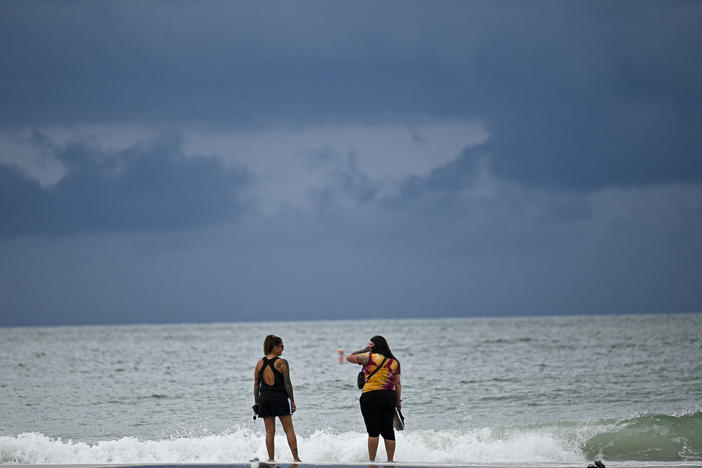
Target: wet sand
x,y
258,464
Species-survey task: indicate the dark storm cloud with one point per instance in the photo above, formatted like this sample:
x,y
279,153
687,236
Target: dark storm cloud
x,y
150,187
577,95
453,176
594,95
547,159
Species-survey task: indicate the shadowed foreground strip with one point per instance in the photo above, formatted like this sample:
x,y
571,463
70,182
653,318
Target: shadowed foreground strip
x,y
258,464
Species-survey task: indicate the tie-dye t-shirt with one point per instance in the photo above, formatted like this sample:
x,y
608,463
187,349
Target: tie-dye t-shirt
x,y
384,379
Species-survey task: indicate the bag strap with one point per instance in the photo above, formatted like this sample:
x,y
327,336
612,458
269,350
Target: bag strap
x,y
376,369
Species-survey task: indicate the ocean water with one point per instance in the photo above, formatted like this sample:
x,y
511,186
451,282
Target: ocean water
x,y
541,391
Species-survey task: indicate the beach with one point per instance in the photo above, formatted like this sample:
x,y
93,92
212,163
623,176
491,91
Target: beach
x,y
355,465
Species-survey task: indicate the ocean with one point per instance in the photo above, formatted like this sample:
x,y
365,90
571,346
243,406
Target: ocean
x,y
536,391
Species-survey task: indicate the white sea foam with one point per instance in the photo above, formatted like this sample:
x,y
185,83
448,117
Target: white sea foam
x,y
241,445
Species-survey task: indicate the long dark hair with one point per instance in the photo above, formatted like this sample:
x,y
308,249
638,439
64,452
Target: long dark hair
x,y
380,346
271,342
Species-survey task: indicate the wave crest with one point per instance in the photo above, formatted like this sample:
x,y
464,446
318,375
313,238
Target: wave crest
x,y
655,437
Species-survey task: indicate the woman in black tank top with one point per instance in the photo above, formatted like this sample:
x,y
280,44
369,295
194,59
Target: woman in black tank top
x,y
273,394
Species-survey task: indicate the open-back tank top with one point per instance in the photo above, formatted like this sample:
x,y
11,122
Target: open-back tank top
x,y
278,387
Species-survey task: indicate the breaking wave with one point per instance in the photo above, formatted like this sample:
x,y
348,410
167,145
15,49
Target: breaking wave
x,y
655,437
660,438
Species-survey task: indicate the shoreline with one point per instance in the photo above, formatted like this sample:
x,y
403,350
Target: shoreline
x,y
259,464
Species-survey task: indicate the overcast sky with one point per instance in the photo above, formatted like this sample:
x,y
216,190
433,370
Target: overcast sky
x,y
221,161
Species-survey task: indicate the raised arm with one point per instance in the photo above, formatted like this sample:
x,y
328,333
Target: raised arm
x,y
359,357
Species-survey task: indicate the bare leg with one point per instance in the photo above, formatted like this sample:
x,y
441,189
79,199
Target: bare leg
x,y
270,437
290,433
372,447
390,449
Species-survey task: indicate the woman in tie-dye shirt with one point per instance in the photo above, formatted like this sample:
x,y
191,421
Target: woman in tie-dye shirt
x,y
381,393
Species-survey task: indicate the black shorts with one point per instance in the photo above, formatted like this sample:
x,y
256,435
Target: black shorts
x,y
271,407
378,409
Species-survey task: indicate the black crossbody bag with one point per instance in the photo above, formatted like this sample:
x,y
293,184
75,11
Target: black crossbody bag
x,y
361,379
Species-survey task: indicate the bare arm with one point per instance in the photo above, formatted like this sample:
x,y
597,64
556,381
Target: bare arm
x,y
257,384
398,390
284,369
357,357
361,351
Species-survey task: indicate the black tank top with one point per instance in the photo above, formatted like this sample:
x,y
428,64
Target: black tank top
x,y
278,387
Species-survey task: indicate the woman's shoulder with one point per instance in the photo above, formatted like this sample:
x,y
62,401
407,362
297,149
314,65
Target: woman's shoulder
x,y
280,363
377,357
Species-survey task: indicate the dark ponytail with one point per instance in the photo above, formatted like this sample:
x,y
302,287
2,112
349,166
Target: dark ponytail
x,y
271,342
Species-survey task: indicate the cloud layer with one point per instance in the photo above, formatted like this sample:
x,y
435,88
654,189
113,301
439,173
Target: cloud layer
x,y
327,159
146,187
577,96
